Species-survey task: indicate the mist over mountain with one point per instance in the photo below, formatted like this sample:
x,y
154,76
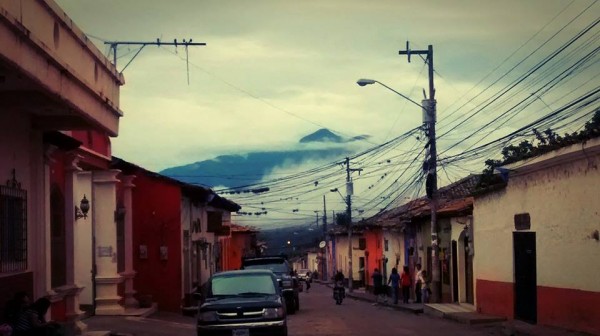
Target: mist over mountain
x,y
243,169
301,238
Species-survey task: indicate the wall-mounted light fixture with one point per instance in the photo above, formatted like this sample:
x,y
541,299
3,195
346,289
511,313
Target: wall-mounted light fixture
x,y
82,210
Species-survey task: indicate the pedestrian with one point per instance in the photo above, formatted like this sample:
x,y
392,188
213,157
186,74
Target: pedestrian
x,y
425,291
15,307
394,280
308,280
418,283
377,285
32,321
405,282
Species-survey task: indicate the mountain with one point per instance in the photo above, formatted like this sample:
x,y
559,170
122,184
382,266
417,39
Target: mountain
x,y
322,135
243,169
325,135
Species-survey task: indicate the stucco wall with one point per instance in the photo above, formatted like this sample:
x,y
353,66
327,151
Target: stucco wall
x,y
563,204
562,201
156,222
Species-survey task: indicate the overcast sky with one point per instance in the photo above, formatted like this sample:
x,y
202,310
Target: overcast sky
x,y
274,71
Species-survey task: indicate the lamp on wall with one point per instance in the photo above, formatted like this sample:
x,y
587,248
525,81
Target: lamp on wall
x,y
82,210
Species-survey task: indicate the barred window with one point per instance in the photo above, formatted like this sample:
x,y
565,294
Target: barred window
x,y
13,227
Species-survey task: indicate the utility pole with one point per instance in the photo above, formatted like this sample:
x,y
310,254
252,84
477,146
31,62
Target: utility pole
x,y
430,166
349,192
349,219
326,254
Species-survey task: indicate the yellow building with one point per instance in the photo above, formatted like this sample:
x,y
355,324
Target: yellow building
x,y
537,247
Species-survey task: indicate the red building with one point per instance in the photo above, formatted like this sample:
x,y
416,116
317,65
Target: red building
x,y
240,243
373,238
175,230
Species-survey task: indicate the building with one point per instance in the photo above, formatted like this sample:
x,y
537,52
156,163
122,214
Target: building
x,y
240,243
57,92
175,230
537,241
402,236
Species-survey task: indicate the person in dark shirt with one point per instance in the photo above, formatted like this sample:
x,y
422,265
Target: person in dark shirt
x,y
394,281
378,285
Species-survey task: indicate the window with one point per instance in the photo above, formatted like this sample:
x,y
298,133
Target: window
x,y
386,245
13,227
244,283
362,243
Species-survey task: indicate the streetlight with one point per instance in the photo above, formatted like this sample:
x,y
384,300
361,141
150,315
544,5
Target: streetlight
x,y
428,107
364,82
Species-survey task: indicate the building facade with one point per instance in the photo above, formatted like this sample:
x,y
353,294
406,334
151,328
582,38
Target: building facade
x,y
537,241
57,88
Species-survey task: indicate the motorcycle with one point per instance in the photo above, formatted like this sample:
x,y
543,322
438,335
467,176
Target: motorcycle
x,y
339,292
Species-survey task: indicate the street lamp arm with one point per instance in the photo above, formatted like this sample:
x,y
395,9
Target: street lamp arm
x,y
400,94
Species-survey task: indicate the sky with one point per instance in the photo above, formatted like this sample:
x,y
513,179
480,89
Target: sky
x,y
274,71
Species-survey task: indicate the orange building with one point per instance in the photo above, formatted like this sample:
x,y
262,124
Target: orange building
x,y
241,242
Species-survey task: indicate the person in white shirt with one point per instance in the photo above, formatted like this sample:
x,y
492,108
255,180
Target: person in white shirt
x,y
425,292
418,284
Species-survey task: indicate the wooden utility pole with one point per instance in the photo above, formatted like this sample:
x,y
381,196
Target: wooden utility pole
x,y
430,167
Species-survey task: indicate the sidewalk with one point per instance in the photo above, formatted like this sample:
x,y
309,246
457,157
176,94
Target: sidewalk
x,y
465,314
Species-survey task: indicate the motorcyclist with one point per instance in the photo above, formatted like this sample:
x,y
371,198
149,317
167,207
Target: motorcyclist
x,y
338,281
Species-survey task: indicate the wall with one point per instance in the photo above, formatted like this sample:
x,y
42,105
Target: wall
x,y
79,75
395,250
156,207
21,150
374,240
562,201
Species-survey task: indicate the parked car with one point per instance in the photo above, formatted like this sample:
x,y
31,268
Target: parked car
x,y
242,303
284,273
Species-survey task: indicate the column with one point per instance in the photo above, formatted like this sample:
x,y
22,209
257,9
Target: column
x,y
107,279
71,291
129,273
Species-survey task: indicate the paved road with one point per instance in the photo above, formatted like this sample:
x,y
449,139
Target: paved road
x,y
318,316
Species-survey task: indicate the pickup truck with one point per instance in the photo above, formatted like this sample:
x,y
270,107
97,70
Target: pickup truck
x,y
285,276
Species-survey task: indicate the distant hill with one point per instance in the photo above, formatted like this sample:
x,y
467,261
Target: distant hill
x,y
301,238
244,169
322,135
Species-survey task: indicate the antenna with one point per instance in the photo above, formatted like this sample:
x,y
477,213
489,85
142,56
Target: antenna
x,y
115,44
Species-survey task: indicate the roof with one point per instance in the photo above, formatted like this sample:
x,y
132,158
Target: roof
x,y
235,228
453,199
194,192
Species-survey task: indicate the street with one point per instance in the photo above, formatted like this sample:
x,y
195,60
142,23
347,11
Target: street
x,y
318,316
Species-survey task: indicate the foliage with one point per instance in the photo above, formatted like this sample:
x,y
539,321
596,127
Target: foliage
x,y
547,141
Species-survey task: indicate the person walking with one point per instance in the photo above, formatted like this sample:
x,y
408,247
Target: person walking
x,y
418,283
394,280
425,291
377,285
308,280
405,282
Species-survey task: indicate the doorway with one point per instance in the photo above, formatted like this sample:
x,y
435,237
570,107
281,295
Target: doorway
x,y
454,271
468,271
525,276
